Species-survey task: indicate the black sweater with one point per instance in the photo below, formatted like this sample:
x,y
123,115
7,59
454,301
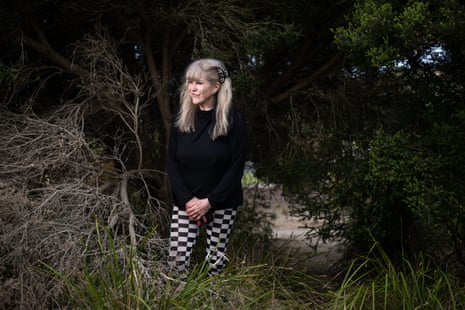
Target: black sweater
x,y
200,167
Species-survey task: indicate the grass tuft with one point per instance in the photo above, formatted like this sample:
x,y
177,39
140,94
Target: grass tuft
x,y
375,282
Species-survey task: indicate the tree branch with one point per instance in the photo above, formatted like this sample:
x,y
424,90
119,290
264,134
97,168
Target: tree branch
x,y
157,78
291,70
43,47
309,80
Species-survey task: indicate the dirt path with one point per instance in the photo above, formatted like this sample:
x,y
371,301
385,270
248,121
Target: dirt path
x,y
290,229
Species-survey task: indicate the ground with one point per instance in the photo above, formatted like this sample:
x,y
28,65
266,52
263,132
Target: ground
x,y
291,229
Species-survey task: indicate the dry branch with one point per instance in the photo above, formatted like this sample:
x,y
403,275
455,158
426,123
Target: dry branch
x,y
52,189
111,87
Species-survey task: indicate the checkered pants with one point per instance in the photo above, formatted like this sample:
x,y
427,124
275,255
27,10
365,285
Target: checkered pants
x,y
184,233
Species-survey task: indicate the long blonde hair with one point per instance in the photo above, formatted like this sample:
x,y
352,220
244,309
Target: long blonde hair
x,y
212,70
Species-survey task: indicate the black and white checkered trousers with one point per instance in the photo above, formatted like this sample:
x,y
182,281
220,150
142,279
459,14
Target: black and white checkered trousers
x,y
184,233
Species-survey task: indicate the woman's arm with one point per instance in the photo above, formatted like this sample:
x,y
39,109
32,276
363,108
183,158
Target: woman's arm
x,y
238,144
178,186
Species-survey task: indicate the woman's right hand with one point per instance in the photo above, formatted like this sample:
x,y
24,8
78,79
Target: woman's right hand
x,y
197,209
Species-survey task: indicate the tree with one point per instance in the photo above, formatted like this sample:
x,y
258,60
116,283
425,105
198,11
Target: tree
x,y
392,169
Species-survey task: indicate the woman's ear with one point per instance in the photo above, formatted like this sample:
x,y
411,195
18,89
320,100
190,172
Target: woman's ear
x,y
217,86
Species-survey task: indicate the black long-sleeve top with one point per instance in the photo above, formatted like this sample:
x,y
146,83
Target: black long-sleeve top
x,y
198,166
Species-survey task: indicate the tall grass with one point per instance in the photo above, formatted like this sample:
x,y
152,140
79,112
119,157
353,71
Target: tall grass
x,y
114,281
376,282
121,281
262,274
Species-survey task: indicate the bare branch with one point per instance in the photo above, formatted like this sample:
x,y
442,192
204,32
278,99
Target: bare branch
x,y
111,87
53,188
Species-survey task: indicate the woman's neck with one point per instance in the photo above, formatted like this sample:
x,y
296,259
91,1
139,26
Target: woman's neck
x,y
208,105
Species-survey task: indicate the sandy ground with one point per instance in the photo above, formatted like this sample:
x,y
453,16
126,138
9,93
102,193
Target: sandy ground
x,y
290,229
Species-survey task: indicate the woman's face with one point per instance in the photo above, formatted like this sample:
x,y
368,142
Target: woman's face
x,y
202,93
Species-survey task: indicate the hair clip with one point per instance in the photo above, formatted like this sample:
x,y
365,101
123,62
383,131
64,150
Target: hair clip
x,y
222,74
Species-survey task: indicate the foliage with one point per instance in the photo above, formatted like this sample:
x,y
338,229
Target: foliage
x,y
383,157
375,282
383,33
408,176
397,191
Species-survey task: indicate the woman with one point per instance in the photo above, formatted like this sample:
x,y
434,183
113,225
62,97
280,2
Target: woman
x,y
206,155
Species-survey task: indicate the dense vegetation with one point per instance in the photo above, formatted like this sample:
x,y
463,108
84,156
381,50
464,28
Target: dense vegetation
x,y
355,107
